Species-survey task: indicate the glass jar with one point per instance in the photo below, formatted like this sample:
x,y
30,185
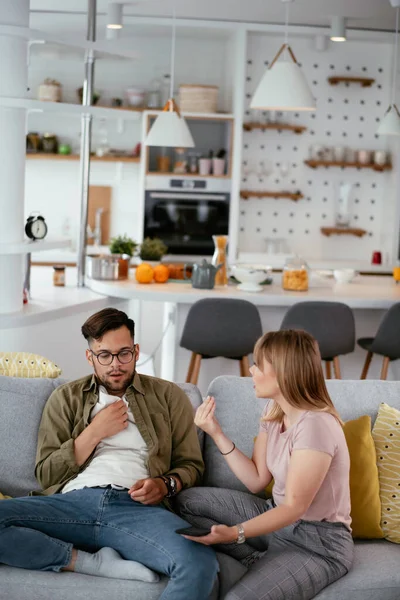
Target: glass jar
x,y
220,258
295,275
59,275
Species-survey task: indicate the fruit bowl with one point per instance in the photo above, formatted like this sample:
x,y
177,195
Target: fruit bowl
x,y
251,276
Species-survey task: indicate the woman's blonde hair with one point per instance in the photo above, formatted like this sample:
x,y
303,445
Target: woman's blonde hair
x,y
296,360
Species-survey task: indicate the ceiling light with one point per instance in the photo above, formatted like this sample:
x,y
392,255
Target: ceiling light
x,y
283,85
338,29
390,124
114,16
170,128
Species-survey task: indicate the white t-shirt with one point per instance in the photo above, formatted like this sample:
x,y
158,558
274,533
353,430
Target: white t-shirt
x,y
119,460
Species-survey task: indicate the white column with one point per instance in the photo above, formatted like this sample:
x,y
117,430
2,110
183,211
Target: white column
x,y
13,83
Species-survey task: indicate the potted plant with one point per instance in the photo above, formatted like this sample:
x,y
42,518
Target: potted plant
x,y
152,249
125,247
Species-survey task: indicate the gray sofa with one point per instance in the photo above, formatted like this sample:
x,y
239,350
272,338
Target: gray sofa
x,y
376,572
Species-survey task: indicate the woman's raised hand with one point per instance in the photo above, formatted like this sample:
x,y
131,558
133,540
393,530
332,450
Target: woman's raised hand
x,y
205,418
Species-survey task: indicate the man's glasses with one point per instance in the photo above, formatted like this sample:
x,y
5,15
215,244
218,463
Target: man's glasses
x,y
106,358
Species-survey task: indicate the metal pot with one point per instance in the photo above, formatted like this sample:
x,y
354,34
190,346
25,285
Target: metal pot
x,y
107,266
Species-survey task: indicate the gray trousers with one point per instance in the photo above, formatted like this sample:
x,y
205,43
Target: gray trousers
x,y
297,561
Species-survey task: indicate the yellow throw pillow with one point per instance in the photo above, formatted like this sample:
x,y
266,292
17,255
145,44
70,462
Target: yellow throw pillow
x,y
25,364
3,497
386,434
364,480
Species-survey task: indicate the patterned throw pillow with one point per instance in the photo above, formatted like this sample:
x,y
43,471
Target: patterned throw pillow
x,y
25,364
386,434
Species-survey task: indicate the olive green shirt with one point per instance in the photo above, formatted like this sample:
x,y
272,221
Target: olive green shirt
x,y
163,414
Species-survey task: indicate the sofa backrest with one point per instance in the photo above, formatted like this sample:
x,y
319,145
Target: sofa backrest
x,y
239,411
21,405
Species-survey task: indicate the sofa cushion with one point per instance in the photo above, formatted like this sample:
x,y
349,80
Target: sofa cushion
x,y
352,399
364,481
386,433
375,574
26,364
21,406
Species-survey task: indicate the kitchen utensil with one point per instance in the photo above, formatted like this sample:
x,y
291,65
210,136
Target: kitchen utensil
x,y
376,258
203,275
250,276
380,157
107,266
344,275
135,96
364,157
339,153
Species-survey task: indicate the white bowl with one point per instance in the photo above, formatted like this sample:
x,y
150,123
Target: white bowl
x,y
250,276
344,275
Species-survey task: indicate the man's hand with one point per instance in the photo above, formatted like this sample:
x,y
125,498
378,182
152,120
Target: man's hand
x,y
109,421
148,491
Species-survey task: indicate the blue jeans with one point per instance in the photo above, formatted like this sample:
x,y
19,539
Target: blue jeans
x,y
40,532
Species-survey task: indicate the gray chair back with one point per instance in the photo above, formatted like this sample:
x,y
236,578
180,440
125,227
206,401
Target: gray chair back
x,y
387,339
221,327
331,324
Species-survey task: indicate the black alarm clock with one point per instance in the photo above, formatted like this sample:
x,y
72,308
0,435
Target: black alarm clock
x,y
36,228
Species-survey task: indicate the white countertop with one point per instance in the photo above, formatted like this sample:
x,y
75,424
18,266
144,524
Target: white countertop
x,y
49,302
376,292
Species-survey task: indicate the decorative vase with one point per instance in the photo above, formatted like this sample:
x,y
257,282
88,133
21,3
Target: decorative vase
x,y
219,257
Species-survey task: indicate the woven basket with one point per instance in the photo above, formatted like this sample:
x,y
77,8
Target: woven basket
x,y
198,98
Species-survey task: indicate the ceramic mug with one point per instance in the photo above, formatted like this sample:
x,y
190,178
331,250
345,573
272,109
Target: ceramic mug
x,y
380,157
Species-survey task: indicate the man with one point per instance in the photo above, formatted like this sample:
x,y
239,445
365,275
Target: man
x,y
112,447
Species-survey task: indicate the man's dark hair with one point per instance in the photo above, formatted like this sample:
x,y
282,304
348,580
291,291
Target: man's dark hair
x,y
105,320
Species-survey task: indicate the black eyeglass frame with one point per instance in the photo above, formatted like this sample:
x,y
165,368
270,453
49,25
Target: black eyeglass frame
x,y
115,354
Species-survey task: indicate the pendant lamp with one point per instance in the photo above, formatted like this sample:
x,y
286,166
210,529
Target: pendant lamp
x,y
283,85
170,128
390,124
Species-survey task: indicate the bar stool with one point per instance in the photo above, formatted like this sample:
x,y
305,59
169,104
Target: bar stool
x,y
386,342
330,323
220,327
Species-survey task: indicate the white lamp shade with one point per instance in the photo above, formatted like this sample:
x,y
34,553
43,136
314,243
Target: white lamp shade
x,y
283,87
338,29
170,129
114,16
390,124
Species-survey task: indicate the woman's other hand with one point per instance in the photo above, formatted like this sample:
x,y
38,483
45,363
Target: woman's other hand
x,y
205,418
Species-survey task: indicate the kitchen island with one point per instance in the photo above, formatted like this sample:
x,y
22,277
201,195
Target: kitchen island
x,y
368,296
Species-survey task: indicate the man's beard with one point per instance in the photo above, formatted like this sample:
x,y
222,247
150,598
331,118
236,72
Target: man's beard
x,y
119,386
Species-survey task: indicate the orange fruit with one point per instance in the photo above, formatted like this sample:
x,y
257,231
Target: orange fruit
x,y
161,273
144,273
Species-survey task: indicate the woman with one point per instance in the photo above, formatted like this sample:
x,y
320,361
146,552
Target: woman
x,y
299,542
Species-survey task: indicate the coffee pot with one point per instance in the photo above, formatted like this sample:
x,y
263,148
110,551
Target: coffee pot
x,y
203,275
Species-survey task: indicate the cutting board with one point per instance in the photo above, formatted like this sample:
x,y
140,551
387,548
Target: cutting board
x,y
99,197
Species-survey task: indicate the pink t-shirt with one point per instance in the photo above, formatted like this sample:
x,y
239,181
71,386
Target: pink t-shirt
x,y
313,431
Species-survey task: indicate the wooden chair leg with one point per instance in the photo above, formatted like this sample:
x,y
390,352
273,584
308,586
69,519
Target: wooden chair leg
x,y
328,369
196,369
244,366
336,367
385,366
366,365
191,367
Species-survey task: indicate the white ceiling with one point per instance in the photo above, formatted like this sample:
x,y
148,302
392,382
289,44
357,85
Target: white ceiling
x,y
365,14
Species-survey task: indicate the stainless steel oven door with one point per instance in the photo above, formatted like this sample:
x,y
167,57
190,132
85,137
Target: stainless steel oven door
x,y
186,221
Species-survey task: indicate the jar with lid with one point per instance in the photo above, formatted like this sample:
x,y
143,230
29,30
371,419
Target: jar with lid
x,y
295,275
59,275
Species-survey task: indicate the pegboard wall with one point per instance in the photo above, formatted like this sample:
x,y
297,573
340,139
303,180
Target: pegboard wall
x,y
347,115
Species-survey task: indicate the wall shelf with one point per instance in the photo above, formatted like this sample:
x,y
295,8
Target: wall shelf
x,y
28,246
246,194
101,112
342,231
357,165
363,81
183,175
280,126
76,157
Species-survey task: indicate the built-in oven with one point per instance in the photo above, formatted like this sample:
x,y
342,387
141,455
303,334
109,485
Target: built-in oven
x,y
186,213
